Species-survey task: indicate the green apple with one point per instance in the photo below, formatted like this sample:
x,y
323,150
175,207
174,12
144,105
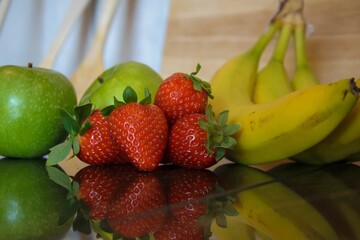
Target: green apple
x,y
30,99
113,81
30,203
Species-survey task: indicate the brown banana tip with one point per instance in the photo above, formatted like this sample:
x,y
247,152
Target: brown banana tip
x,y
288,7
353,86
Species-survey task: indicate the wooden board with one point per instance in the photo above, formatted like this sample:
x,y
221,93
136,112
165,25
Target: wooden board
x,y
211,31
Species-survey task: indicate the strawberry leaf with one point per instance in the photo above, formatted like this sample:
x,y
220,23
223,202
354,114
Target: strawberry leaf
x,y
199,84
198,67
81,223
59,177
107,110
75,146
218,132
147,99
59,152
222,118
69,210
75,188
230,211
70,123
129,95
82,112
86,126
220,153
231,129
118,103
221,220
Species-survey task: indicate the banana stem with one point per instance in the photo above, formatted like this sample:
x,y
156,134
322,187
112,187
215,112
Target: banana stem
x,y
265,38
283,42
300,44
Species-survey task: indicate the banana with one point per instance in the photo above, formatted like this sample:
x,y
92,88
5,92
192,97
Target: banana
x,y
276,130
286,126
327,193
244,75
344,141
271,208
273,80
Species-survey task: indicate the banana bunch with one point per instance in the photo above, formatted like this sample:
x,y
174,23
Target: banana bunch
x,y
269,209
280,117
344,141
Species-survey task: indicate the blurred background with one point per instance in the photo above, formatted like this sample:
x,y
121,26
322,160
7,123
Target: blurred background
x,y
175,35
30,28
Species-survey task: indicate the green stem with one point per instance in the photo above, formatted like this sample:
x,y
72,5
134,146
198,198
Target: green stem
x,y
283,42
265,38
300,46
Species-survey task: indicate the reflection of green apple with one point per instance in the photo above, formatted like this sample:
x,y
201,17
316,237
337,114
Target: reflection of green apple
x,y
30,203
112,82
30,99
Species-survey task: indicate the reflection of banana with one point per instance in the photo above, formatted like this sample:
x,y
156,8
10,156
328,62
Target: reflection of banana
x,y
235,229
272,208
329,194
349,174
273,80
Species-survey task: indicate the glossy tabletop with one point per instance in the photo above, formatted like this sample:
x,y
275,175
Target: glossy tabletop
x,y
229,201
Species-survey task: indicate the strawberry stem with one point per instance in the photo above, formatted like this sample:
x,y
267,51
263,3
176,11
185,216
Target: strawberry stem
x,y
219,133
199,84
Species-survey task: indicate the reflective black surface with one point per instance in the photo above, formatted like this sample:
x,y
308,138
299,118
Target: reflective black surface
x,y
287,201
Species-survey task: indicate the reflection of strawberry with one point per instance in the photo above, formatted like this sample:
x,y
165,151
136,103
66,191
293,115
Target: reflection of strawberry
x,y
98,185
182,94
140,131
187,191
96,144
175,229
139,209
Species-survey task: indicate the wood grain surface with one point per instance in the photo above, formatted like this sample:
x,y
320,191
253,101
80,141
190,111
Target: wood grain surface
x,y
211,31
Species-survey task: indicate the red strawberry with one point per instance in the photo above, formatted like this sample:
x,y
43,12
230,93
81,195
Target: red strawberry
x,y
141,133
182,94
96,144
199,141
89,138
99,184
178,230
139,209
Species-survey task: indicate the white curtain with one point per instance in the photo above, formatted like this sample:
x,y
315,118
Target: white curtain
x,y
30,27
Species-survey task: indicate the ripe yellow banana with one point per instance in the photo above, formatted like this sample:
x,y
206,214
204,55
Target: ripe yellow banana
x,y
329,194
344,141
286,126
281,128
272,208
273,80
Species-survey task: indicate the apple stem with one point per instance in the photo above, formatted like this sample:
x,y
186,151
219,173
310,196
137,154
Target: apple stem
x,y
101,80
30,65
